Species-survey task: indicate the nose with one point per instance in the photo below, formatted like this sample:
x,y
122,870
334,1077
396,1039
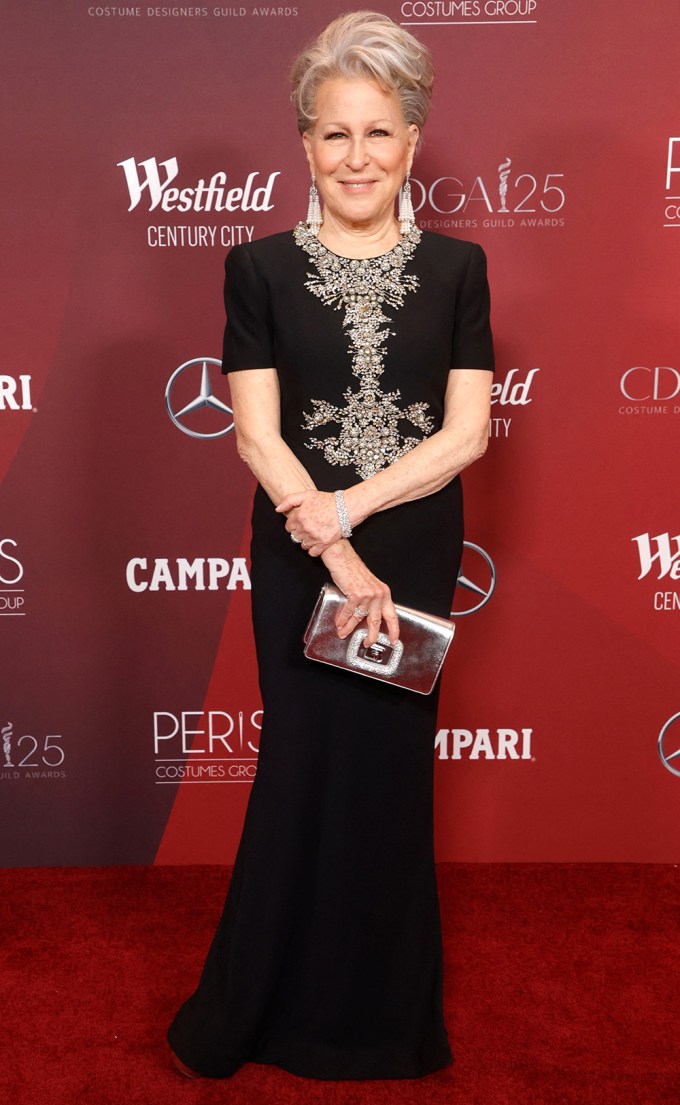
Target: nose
x,y
357,155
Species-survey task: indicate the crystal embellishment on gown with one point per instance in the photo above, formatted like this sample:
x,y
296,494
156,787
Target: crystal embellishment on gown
x,y
369,437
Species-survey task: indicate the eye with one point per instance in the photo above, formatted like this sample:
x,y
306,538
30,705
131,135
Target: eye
x,y
380,133
334,134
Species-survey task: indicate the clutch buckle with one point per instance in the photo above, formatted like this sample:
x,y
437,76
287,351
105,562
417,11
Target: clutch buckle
x,y
380,658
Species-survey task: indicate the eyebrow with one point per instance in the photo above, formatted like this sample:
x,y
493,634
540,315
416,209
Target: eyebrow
x,y
372,123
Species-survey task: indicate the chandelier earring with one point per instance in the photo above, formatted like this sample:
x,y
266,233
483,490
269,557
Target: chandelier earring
x,y
314,216
407,217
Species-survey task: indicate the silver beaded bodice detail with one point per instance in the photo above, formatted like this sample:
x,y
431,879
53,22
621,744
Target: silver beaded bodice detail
x,y
369,436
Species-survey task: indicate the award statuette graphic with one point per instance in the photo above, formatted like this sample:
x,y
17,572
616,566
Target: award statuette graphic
x,y
503,174
6,744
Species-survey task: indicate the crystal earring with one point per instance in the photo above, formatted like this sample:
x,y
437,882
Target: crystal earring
x,y
314,216
406,215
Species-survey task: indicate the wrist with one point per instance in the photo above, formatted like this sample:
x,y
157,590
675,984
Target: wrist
x,y
338,553
355,502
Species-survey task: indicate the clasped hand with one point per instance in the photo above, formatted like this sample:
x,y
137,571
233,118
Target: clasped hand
x,y
313,518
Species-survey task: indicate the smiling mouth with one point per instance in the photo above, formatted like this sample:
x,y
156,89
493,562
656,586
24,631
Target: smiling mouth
x,y
357,183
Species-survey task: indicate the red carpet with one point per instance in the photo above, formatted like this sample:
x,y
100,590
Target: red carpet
x,y
563,988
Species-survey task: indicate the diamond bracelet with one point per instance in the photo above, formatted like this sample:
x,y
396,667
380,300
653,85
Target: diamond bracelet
x,y
343,516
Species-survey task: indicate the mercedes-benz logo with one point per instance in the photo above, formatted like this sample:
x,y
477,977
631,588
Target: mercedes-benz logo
x,y
665,754
481,592
205,398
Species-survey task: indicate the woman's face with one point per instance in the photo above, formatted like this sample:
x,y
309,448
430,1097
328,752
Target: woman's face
x,y
359,150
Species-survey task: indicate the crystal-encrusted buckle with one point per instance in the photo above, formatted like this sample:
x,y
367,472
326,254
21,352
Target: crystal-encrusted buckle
x,y
382,654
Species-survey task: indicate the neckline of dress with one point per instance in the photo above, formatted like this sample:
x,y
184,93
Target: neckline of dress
x,y
406,238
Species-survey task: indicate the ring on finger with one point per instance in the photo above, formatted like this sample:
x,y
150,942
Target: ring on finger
x,y
359,612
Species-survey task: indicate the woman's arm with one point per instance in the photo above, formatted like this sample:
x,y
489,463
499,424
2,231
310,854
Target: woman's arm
x,y
255,398
425,469
433,463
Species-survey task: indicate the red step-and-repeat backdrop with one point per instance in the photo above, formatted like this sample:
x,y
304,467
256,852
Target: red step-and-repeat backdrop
x,y
140,143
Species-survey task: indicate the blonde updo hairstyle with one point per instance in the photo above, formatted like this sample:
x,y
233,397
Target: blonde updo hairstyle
x,y
365,45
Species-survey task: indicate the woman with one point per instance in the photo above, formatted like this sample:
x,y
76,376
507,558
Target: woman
x,y
354,346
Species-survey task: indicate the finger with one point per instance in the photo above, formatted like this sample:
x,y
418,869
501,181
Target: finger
x,y
347,619
354,621
289,502
373,623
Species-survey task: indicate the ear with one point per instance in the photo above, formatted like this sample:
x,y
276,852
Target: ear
x,y
413,136
307,143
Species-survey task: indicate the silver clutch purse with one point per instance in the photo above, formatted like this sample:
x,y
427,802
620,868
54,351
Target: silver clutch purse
x,y
413,663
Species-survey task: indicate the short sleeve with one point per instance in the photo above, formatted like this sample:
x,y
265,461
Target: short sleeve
x,y
472,338
248,334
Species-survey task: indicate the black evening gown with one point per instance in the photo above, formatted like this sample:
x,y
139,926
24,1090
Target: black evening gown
x,y
327,960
